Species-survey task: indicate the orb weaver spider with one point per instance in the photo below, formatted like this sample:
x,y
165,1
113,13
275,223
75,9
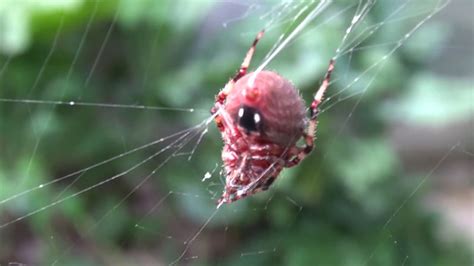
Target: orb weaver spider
x,y
261,118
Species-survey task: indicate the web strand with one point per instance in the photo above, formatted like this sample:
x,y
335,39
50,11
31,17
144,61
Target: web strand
x,y
298,19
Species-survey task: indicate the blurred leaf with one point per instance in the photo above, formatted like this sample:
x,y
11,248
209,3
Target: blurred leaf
x,y
364,164
16,19
433,101
427,43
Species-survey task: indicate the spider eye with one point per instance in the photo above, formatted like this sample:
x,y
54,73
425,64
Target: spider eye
x,y
249,118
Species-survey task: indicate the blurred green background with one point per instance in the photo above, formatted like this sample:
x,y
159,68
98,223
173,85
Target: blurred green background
x,y
389,183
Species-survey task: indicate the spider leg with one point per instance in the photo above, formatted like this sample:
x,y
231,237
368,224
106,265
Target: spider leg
x,y
221,97
267,183
248,57
300,153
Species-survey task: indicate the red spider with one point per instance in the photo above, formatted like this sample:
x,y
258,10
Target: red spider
x,y
261,117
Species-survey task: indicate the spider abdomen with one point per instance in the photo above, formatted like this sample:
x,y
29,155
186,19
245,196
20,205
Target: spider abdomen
x,y
280,109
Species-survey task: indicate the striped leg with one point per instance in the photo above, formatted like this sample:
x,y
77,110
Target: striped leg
x,y
221,97
301,153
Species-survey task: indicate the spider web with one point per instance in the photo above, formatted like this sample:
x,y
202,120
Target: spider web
x,y
176,221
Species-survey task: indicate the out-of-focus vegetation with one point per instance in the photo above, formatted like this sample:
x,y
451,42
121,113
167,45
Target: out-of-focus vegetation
x,y
354,201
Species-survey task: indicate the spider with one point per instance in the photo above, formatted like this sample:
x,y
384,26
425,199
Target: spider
x,y
261,118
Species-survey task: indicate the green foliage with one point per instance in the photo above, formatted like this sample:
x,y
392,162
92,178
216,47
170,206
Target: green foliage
x,y
341,206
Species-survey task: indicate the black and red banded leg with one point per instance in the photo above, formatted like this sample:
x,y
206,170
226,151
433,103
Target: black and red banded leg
x,y
313,120
222,95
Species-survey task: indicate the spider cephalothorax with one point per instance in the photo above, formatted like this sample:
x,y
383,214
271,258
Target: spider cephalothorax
x,y
261,117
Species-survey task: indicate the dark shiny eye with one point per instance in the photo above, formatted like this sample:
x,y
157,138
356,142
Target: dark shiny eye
x,y
249,119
